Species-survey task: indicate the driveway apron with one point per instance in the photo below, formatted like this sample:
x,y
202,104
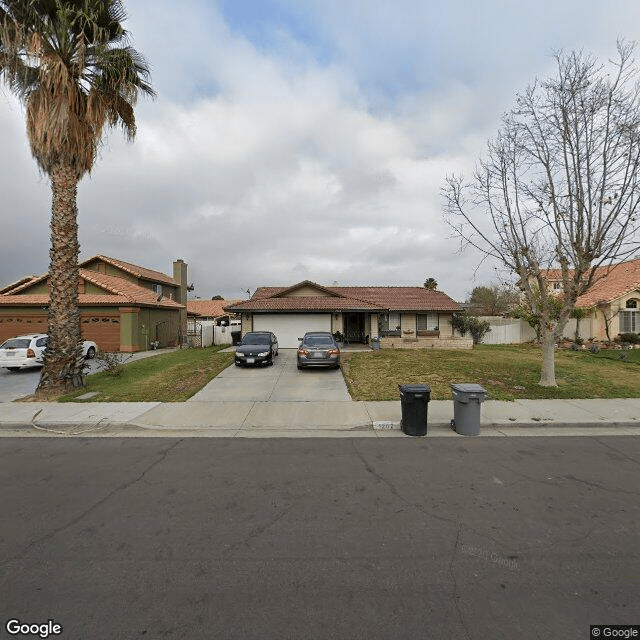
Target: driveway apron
x,y
281,382
267,401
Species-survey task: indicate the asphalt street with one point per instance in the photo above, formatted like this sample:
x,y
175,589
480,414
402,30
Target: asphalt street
x,y
482,538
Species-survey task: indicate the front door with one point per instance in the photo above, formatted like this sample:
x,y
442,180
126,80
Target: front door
x,y
354,328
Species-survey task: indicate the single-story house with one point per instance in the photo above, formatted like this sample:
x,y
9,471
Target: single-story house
x,y
614,300
399,317
123,307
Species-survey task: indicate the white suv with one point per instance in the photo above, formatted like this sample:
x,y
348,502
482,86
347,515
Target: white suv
x,y
26,351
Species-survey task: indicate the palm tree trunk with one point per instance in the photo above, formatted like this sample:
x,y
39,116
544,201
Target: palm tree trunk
x,y
63,363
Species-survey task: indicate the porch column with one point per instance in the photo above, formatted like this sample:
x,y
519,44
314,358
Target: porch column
x,y
374,325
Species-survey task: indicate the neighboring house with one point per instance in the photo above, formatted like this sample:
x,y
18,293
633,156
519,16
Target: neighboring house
x,y
212,310
399,317
123,307
209,323
614,300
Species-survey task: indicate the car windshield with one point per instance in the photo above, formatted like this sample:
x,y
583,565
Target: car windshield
x,y
256,338
16,343
318,341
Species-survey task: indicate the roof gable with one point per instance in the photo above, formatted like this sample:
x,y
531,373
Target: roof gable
x,y
139,272
306,288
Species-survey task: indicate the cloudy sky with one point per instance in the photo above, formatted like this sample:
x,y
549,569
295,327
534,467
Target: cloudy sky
x,y
302,139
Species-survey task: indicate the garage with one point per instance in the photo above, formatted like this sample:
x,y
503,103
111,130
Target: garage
x,y
104,330
291,326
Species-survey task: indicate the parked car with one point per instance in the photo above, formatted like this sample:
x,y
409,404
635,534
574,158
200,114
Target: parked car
x,y
257,347
26,351
318,349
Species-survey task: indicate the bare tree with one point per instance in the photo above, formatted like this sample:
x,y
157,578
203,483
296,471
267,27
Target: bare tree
x,y
559,186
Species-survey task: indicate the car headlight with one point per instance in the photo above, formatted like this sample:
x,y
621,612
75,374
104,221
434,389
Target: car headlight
x,y
239,354
263,354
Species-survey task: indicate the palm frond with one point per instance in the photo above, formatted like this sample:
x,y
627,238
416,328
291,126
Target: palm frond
x,y
71,63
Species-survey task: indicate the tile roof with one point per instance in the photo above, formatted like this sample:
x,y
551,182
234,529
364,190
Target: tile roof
x,y
348,299
118,292
304,303
134,269
611,282
14,285
209,308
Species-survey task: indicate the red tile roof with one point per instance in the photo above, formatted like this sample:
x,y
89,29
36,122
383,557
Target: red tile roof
x,y
347,299
118,291
209,308
15,285
611,282
134,269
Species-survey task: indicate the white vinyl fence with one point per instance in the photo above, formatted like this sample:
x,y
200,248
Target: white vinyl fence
x,y
507,331
514,331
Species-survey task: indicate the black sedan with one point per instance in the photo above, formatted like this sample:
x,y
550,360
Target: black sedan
x,y
257,347
318,349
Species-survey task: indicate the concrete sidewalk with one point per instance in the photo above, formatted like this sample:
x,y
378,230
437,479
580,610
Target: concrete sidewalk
x,y
274,418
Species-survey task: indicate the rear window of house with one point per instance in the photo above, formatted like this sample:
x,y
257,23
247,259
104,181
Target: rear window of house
x,y
16,343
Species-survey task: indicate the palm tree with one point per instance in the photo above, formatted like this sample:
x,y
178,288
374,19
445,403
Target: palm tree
x,y
71,65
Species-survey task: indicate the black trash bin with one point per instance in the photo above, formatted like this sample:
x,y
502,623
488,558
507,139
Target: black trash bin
x,y
414,402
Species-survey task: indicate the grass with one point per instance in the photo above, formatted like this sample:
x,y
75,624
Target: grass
x,y
507,372
170,377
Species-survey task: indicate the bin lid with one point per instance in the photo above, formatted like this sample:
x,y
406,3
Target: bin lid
x,y
414,388
468,388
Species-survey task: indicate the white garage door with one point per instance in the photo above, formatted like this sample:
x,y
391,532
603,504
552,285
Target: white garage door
x,y
289,327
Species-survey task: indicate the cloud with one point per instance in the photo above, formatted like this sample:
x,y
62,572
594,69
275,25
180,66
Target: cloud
x,y
303,142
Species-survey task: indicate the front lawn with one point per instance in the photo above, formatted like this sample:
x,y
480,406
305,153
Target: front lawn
x,y
507,372
170,377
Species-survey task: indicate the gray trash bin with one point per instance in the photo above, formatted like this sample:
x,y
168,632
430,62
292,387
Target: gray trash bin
x,y
466,408
375,343
414,402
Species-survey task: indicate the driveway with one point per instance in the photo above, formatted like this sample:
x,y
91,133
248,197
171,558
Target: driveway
x,y
269,400
281,382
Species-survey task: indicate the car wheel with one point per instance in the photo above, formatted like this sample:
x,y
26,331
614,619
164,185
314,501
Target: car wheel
x,y
91,353
300,367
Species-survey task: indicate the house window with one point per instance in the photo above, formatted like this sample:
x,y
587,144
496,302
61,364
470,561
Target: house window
x,y
389,323
427,321
629,321
557,285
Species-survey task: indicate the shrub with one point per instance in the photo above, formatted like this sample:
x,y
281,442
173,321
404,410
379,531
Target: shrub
x,y
468,323
630,338
111,363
